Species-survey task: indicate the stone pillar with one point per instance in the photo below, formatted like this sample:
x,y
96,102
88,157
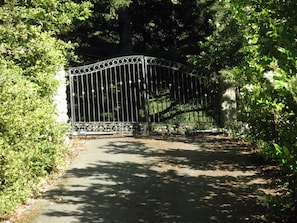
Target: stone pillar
x,y
228,104
60,99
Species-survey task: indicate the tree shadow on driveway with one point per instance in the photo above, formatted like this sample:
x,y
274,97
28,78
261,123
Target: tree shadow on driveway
x,y
211,179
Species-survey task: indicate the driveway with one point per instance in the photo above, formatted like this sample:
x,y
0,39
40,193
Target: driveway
x,y
130,180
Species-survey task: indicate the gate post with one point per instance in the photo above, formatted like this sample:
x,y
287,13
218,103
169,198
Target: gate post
x,y
228,104
60,98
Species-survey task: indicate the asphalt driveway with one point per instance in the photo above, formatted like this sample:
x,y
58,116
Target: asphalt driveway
x,y
130,180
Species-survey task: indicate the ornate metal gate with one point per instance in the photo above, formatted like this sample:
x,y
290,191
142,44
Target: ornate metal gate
x,y
131,94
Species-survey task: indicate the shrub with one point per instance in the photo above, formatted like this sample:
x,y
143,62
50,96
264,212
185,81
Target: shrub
x,y
31,139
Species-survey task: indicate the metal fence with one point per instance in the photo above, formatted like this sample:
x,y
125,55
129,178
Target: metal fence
x,y
136,94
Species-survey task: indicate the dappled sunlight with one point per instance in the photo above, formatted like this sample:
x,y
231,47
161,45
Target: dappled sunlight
x,y
150,180
186,171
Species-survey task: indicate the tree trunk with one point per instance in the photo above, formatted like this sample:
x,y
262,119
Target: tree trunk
x,y
125,31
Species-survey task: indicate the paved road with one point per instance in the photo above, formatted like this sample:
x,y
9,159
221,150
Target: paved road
x,y
128,180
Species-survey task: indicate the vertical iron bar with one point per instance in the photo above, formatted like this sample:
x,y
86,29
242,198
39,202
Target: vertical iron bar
x,y
112,86
122,104
179,106
197,98
194,95
107,95
206,99
109,76
187,97
182,96
117,104
146,94
151,108
200,100
168,84
92,97
98,107
162,90
155,92
129,78
101,72
140,88
88,115
136,94
83,97
125,82
78,80
192,98
173,87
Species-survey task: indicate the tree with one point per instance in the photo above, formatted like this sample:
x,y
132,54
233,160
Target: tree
x,y
169,29
125,31
221,49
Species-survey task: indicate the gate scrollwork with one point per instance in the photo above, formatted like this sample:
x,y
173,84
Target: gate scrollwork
x,y
136,93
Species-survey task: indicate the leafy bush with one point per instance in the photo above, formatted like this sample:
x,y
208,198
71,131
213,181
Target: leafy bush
x,y
254,45
31,139
266,78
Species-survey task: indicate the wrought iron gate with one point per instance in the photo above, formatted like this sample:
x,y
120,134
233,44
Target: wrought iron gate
x,y
131,94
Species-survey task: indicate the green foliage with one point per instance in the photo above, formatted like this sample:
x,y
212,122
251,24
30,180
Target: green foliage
x,y
166,29
253,44
220,49
116,4
266,78
31,139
